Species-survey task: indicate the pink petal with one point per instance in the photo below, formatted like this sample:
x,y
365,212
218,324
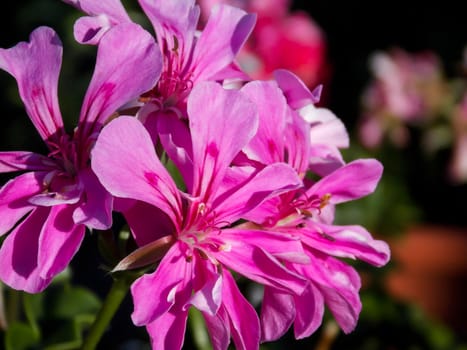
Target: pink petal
x,y
14,198
258,265
244,322
174,22
325,159
15,161
218,326
89,30
136,173
269,182
223,36
119,78
219,130
36,67
268,144
277,313
297,93
19,254
353,242
96,209
168,331
59,241
354,180
298,143
310,311
154,294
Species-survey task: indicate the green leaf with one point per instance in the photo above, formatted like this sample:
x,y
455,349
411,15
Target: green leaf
x,y
20,336
71,302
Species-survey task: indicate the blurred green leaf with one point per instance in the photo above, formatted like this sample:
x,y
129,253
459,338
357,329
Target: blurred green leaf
x,y
72,302
21,336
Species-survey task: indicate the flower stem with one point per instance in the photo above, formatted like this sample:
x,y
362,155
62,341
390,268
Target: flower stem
x,y
111,304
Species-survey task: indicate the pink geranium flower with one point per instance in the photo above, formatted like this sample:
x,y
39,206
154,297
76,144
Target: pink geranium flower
x,y
48,207
204,245
308,214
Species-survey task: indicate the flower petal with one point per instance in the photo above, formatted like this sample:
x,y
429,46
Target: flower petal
x,y
244,322
168,331
277,313
136,173
310,311
36,67
96,209
59,241
19,254
20,160
119,78
208,286
297,93
223,36
219,130
14,198
354,180
154,294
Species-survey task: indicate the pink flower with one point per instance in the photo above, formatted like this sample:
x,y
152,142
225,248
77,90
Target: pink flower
x,y
281,39
48,207
308,214
204,244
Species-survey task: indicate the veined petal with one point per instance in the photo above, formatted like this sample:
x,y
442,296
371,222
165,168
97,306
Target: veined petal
x,y
136,173
353,242
268,144
258,265
271,181
103,15
218,327
174,22
154,294
244,322
309,311
219,130
277,313
14,198
36,67
20,160
297,93
59,241
95,211
354,180
119,78
168,331
19,254
223,36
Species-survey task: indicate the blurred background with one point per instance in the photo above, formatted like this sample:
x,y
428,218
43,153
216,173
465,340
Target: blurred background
x,y
396,74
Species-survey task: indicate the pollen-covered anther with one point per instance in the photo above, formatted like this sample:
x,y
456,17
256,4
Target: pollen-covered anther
x,y
324,200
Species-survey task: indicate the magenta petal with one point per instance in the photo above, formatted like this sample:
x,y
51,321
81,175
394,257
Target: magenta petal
x,y
168,331
96,209
36,67
297,93
59,241
154,294
310,310
19,254
354,180
277,313
353,242
208,295
326,127
219,130
218,328
89,30
14,196
268,144
119,78
15,161
136,173
258,265
270,181
244,322
223,36
112,8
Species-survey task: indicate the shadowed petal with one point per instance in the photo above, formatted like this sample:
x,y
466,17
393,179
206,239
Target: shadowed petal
x,y
136,173
119,78
309,312
19,254
20,160
14,196
277,313
59,241
297,93
168,331
36,67
219,130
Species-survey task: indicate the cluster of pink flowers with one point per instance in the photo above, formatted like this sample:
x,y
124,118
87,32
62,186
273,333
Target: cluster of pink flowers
x,y
410,90
260,165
